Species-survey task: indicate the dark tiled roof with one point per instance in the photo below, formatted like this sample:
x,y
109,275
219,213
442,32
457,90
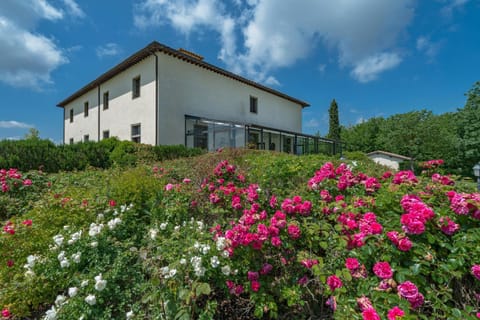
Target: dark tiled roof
x,y
158,47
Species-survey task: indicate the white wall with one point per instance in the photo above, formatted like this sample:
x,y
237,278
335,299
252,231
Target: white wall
x,y
387,161
185,88
82,125
123,111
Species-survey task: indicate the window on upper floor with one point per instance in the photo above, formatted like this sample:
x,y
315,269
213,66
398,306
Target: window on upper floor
x,y
71,115
106,134
136,132
105,100
136,87
85,109
86,138
253,104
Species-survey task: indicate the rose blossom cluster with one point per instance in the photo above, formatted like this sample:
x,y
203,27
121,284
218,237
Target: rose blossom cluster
x,y
448,226
255,227
465,203
12,178
357,227
416,214
345,178
405,177
357,270
431,164
409,291
401,241
444,180
369,312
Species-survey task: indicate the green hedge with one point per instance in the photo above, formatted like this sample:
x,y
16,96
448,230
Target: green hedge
x,y
38,154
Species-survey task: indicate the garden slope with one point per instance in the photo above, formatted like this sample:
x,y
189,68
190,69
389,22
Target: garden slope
x,y
240,234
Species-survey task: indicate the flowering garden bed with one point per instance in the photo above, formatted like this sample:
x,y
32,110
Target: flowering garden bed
x,y
244,236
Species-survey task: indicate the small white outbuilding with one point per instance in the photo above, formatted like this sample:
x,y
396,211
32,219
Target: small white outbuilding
x,y
388,159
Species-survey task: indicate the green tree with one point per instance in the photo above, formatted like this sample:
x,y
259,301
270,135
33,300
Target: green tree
x,y
468,128
363,136
334,122
33,134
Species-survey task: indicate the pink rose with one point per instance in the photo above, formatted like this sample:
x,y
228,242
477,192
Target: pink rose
x,y
352,264
407,290
476,271
395,313
255,285
294,231
334,282
383,270
370,314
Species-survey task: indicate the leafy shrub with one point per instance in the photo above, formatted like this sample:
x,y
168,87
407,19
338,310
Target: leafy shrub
x,y
38,154
228,241
124,154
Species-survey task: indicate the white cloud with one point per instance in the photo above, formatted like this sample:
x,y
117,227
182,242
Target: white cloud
x,y
74,9
312,123
322,68
360,120
429,48
369,68
14,124
110,49
263,35
453,5
29,57
45,10
272,81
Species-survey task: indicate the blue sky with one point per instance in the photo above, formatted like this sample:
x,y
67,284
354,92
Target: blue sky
x,y
375,57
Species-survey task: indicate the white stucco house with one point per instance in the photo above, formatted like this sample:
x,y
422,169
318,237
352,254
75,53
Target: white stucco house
x,y
388,159
163,96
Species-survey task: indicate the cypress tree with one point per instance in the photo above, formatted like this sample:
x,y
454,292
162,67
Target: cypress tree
x,y
334,123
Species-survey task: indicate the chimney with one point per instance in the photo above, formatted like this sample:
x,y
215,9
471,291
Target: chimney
x,y
191,54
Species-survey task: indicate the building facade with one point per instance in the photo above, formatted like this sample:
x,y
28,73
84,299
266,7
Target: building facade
x,y
163,96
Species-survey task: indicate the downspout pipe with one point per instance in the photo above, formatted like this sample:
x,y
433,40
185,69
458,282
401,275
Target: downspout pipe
x,y
64,119
156,98
98,97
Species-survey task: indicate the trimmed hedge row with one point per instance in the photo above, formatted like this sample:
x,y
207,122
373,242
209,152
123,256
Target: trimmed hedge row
x,y
38,154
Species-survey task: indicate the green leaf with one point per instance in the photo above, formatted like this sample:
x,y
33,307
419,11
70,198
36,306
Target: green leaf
x,y
415,268
457,313
202,288
182,315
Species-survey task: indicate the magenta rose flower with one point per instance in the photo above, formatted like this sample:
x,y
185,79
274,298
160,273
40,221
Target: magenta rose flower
x,y
395,313
383,270
334,282
476,271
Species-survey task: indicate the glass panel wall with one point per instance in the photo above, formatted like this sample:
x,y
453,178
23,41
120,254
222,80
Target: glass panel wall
x,y
212,135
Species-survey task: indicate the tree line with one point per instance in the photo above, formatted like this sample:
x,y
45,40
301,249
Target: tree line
x,y
422,135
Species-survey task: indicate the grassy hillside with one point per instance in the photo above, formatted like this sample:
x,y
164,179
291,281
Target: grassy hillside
x,y
240,235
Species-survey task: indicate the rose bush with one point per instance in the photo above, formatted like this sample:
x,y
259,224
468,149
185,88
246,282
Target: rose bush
x,y
215,239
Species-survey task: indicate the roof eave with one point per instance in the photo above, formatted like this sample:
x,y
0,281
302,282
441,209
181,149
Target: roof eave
x,y
155,47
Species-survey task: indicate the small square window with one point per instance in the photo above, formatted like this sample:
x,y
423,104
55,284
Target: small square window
x,y
105,100
136,132
71,115
253,104
106,134
85,109
136,87
86,138
71,140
